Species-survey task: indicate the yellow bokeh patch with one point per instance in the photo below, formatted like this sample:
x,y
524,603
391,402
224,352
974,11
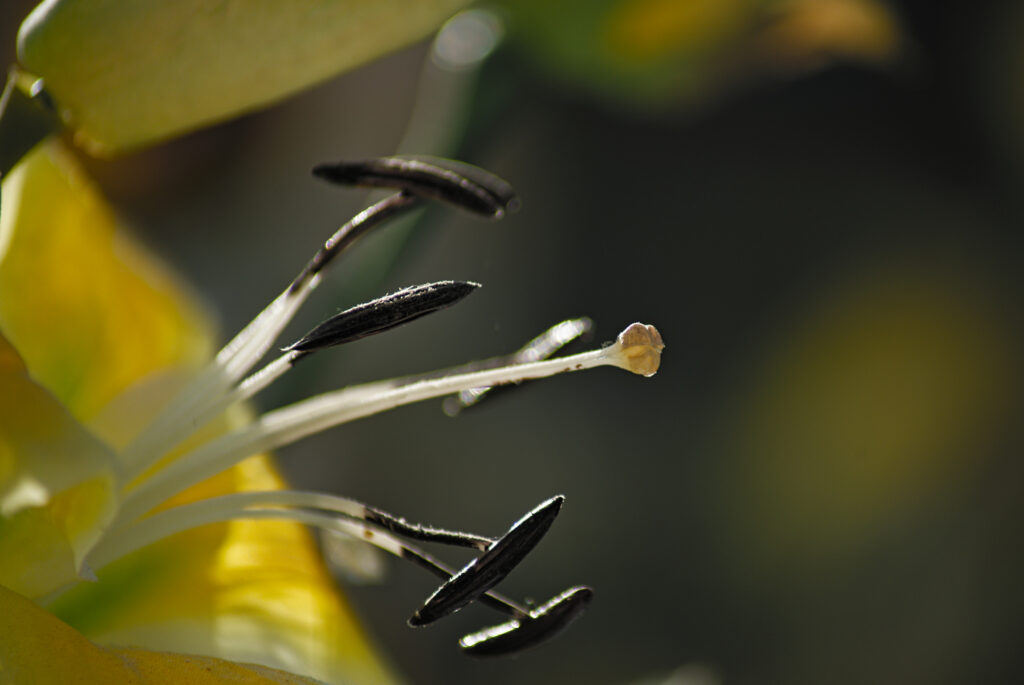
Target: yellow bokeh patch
x,y
871,407
652,30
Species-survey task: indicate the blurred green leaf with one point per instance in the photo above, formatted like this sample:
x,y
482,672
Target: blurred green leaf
x,y
125,74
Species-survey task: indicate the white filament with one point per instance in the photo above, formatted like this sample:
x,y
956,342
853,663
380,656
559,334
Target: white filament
x,y
199,401
296,421
312,508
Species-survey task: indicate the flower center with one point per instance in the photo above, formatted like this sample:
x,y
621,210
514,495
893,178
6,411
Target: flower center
x,y
148,480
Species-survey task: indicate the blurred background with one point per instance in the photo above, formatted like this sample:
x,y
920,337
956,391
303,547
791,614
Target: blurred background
x,y
817,202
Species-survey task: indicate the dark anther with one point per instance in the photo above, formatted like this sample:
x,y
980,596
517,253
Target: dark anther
x,y
384,313
487,570
454,182
540,625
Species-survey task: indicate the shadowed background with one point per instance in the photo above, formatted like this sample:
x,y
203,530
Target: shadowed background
x,y
823,482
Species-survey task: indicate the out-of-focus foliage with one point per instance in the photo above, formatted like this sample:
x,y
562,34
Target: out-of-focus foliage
x,y
124,74
653,53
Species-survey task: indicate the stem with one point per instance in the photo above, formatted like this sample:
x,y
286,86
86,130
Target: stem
x,y
24,122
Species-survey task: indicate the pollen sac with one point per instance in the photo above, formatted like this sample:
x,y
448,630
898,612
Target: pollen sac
x,y
487,570
384,313
540,625
457,183
640,347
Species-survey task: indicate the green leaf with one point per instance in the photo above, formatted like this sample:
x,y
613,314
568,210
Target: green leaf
x,y
128,73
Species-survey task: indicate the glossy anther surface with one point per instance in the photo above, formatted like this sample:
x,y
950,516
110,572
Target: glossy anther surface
x,y
457,183
542,624
487,570
384,313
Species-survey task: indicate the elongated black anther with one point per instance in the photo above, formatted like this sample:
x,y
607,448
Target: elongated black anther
x,y
487,570
457,183
542,624
384,313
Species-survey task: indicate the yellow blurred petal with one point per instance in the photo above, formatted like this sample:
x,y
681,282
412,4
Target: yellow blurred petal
x,y
90,312
111,335
156,668
38,648
873,407
806,33
132,72
56,484
252,591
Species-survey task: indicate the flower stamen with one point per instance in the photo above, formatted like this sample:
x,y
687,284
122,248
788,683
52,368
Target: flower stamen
x,y
487,570
416,178
457,183
539,625
383,314
637,349
150,479
178,420
284,503
474,582
355,323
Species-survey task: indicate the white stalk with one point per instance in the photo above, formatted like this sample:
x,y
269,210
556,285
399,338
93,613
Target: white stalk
x,y
215,510
181,417
637,349
178,419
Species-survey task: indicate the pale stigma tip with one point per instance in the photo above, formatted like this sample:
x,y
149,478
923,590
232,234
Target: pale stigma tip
x,y
640,347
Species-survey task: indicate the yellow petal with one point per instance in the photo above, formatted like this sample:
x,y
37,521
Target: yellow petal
x,y
251,591
128,73
90,312
110,334
38,648
57,484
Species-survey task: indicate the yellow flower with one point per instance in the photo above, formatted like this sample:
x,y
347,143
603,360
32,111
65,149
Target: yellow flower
x,y
107,334
144,534
29,632
126,455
